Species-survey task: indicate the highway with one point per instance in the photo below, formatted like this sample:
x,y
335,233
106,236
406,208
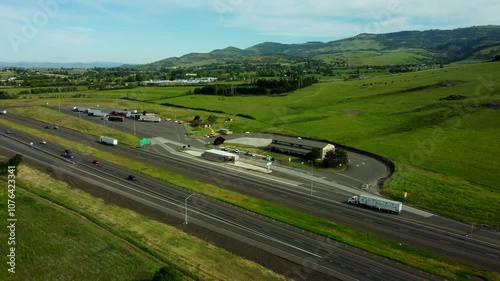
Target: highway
x,y
407,229
314,253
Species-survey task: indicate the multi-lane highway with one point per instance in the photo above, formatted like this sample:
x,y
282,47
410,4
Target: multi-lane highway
x,y
405,229
312,252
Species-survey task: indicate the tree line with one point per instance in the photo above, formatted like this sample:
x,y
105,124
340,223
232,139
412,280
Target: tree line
x,y
50,90
259,87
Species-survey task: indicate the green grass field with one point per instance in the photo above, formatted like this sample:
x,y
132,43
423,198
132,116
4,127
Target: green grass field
x,y
66,234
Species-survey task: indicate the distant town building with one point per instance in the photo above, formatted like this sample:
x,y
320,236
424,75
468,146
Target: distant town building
x,y
182,81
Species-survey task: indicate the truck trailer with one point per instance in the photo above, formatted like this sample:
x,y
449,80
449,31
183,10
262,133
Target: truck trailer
x,y
376,203
80,109
148,118
92,112
99,114
108,140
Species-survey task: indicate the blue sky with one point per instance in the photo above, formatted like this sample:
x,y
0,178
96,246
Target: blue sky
x,y
133,31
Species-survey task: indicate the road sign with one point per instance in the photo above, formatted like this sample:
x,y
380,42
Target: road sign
x,y
144,142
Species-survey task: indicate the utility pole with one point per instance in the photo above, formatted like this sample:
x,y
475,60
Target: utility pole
x,y
312,176
186,208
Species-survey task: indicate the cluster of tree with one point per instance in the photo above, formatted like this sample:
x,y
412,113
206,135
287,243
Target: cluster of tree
x,y
7,95
167,273
258,87
198,121
335,158
53,90
15,161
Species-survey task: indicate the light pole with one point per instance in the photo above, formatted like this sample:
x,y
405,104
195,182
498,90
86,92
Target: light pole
x,y
186,208
312,175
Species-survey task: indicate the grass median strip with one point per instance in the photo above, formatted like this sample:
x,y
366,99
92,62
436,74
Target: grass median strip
x,y
408,255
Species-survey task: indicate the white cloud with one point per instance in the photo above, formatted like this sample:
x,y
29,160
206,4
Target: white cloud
x,y
323,18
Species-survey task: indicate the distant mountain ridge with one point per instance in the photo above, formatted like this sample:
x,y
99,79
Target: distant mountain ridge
x,y
475,43
404,47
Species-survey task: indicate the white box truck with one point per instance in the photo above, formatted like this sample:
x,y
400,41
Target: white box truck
x,y
3,112
376,203
108,140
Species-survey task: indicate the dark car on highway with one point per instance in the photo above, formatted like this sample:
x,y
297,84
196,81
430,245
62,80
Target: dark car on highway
x,y
68,154
132,177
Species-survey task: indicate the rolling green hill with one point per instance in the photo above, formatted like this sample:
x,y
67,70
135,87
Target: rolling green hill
x,y
406,47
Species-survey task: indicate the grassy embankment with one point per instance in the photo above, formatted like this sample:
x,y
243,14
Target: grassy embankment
x,y
64,233
405,254
444,151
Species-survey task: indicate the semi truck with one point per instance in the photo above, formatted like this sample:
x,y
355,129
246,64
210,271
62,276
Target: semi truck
x,y
99,114
376,203
115,118
147,118
108,140
92,112
80,109
125,112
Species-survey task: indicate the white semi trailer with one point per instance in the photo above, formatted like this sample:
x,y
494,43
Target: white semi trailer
x,y
376,203
108,140
149,118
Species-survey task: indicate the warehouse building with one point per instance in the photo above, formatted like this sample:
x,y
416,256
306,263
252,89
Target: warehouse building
x,y
299,147
219,156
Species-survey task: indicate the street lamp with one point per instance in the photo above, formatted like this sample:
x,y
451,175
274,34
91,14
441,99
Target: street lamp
x,y
186,208
312,175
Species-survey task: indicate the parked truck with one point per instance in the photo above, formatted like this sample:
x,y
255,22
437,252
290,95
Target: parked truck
x,y
80,109
108,140
92,112
149,118
99,114
115,118
376,203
